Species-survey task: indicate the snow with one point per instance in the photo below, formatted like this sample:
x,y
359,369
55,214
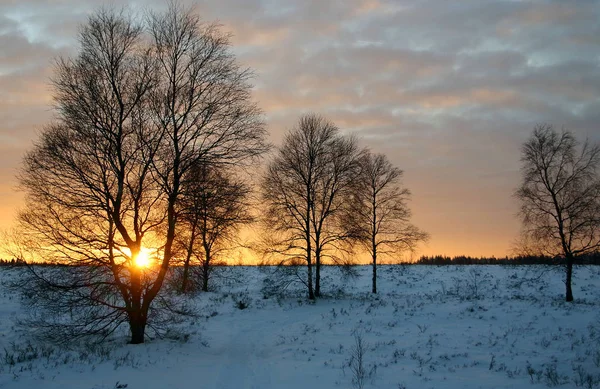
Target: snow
x,y
429,327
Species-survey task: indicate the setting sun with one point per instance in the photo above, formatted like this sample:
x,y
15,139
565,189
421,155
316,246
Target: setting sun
x,y
143,259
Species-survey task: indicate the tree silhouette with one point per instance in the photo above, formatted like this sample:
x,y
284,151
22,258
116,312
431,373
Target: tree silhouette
x,y
378,215
214,207
135,113
560,195
303,189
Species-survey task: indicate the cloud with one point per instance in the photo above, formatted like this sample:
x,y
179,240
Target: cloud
x,y
449,90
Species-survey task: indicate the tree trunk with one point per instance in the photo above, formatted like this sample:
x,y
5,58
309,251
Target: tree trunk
x,y
136,314
374,234
137,325
317,274
184,281
374,290
186,264
207,256
205,274
311,293
568,278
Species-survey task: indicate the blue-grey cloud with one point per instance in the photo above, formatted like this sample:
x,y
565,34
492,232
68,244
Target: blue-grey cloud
x,y
449,90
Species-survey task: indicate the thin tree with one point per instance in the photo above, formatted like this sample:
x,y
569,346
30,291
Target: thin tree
x,y
301,189
214,207
332,189
133,115
378,215
560,195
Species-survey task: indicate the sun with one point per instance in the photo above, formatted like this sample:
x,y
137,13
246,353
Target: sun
x,y
144,258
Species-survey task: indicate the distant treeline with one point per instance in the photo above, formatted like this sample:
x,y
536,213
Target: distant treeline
x,y
21,262
12,262
591,259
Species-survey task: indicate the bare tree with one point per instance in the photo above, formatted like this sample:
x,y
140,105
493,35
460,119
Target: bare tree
x,y
303,188
378,215
89,196
214,207
333,187
134,114
202,107
560,195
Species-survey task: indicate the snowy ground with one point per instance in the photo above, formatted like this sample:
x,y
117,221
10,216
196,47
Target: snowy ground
x,y
430,327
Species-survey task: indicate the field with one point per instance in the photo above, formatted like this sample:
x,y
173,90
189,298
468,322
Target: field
x,y
429,327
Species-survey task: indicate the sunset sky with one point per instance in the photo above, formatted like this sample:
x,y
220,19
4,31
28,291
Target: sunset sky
x,y
448,90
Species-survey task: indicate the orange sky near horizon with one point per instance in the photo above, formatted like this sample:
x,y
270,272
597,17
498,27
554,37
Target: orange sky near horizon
x,y
448,91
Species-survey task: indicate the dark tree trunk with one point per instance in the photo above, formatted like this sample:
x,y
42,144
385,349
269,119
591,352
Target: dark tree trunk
x,y
311,293
374,290
205,275
568,278
207,256
205,280
374,234
186,264
137,313
317,274
137,325
184,281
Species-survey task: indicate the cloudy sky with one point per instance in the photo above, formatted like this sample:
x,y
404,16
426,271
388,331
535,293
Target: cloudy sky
x,y
449,90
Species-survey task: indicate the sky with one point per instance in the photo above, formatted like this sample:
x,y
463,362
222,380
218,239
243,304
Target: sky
x,y
449,91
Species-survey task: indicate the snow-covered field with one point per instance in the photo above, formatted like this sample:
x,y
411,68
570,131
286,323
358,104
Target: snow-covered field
x,y
430,327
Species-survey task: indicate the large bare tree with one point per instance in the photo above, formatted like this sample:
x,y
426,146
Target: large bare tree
x,y
201,106
134,113
378,215
87,180
560,195
302,189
